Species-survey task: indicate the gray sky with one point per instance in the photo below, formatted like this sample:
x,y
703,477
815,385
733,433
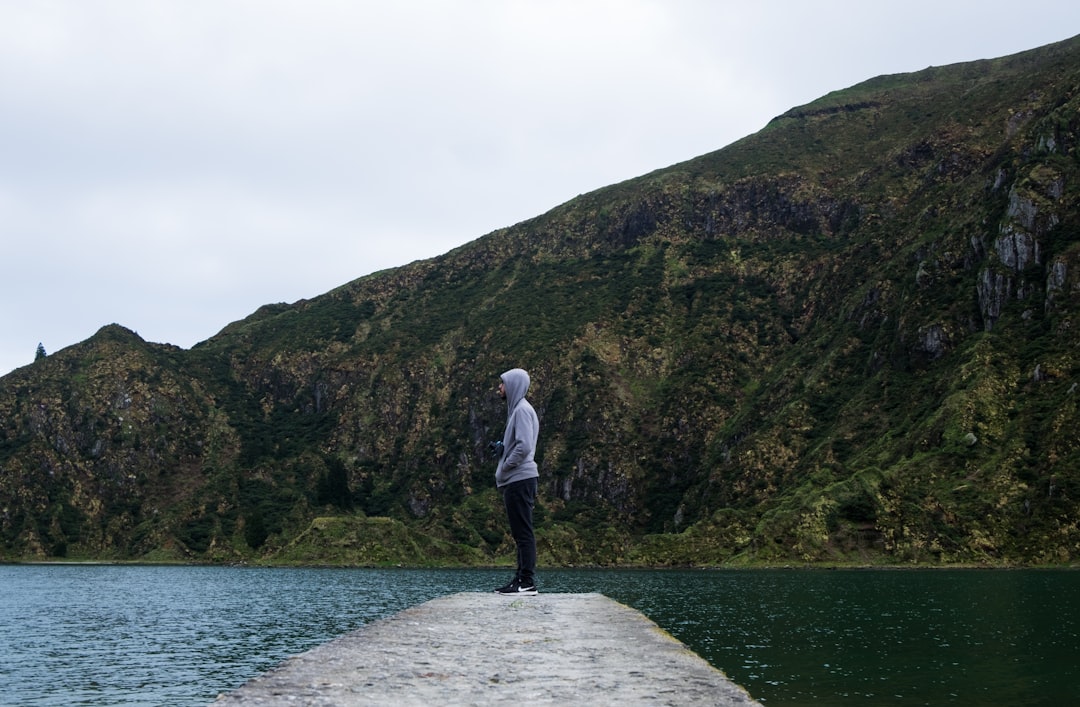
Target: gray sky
x,y
171,165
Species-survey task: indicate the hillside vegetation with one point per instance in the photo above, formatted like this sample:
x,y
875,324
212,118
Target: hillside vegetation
x,y
849,338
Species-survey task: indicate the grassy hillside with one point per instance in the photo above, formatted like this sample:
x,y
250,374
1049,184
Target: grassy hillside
x,y
850,337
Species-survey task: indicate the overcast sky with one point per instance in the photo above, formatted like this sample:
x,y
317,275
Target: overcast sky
x,y
171,165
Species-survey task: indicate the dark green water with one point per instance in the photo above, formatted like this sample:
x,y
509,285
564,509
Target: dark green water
x,y
846,637
118,635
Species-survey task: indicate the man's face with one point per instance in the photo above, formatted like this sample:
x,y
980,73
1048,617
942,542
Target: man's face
x,y
502,390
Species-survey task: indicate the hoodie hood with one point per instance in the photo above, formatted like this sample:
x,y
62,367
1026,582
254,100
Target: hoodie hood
x,y
516,382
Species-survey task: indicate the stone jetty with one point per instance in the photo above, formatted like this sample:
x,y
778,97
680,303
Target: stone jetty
x,y
487,649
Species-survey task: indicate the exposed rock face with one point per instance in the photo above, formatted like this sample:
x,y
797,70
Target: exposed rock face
x,y
1019,251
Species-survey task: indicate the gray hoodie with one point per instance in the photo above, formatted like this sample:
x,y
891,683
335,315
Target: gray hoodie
x,y
522,431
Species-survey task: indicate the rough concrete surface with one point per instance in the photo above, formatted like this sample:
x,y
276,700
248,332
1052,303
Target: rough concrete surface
x,y
488,649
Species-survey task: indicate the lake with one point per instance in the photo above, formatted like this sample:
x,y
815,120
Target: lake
x,y
164,635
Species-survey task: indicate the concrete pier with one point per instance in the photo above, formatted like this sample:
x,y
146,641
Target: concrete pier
x,y
487,649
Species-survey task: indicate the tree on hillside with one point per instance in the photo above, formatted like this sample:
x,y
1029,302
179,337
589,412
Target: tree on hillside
x,y
40,352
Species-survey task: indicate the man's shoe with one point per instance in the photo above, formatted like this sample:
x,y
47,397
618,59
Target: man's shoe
x,y
516,588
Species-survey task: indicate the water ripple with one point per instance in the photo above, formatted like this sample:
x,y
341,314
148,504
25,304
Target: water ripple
x,y
129,636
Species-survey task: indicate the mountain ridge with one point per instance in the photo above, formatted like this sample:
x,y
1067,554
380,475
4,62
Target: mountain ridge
x,y
847,337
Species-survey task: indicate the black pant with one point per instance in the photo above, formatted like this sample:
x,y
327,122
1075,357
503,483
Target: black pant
x,y
519,499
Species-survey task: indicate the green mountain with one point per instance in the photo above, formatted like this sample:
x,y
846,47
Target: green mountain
x,y
850,337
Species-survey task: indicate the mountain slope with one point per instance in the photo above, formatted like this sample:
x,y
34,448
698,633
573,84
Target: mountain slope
x,y
848,337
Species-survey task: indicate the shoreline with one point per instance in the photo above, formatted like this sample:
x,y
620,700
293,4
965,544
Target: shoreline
x,y
658,568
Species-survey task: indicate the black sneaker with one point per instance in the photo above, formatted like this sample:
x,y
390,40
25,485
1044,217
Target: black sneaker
x,y
516,588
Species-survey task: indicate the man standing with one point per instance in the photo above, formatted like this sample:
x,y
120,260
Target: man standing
x,y
516,477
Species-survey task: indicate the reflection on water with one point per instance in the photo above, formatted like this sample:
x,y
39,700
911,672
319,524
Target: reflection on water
x,y
119,635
